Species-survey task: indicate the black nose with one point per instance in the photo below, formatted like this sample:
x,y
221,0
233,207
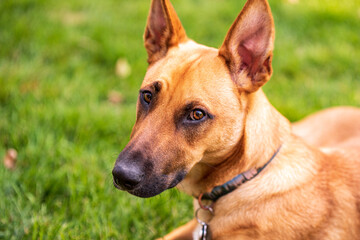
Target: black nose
x,y
127,176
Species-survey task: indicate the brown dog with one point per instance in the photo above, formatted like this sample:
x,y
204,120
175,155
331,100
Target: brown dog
x,y
202,119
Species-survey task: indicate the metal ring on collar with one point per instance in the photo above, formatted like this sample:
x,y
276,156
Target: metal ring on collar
x,y
197,217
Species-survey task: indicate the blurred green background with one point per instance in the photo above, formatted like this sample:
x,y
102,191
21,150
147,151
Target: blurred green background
x,y
68,112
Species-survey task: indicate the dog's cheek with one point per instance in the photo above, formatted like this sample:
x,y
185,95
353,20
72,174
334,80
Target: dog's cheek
x,y
196,134
175,162
224,139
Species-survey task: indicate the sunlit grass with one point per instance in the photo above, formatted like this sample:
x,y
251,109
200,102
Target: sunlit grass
x,y
57,66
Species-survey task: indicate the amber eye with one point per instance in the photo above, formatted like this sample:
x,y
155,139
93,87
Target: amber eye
x,y
147,97
197,115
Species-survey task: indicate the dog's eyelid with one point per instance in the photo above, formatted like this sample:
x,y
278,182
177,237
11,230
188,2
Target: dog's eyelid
x,y
195,105
154,87
157,86
142,91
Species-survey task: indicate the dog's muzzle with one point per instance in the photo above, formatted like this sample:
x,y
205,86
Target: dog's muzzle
x,y
143,176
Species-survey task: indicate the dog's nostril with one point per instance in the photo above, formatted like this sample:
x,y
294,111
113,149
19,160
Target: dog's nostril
x,y
116,180
127,177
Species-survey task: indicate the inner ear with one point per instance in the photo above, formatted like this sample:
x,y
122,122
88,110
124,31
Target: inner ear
x,y
163,30
251,51
157,29
248,45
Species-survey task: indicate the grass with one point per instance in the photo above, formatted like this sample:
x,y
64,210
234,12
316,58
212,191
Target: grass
x,y
57,66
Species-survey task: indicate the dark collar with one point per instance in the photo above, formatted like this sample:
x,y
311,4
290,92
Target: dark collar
x,y
234,183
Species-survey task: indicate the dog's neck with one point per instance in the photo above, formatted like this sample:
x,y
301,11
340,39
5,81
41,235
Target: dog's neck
x,y
265,129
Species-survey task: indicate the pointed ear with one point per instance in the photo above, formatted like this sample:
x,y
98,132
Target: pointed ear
x,y
163,30
248,46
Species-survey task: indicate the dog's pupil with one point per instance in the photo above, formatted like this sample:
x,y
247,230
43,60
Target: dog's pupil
x,y
198,114
147,97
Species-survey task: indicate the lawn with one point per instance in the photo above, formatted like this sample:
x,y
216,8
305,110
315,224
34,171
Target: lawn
x,y
57,68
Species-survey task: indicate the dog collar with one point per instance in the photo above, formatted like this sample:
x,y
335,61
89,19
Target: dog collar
x,y
222,190
234,183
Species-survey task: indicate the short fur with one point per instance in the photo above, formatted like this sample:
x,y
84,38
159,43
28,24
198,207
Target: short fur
x,y
306,192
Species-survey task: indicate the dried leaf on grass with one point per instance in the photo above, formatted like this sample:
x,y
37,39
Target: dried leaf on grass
x,y
69,18
10,159
122,68
115,97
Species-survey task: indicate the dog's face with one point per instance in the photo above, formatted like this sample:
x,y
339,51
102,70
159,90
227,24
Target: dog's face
x,y
180,119
191,105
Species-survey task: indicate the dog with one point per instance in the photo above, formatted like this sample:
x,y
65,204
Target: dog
x,y
204,125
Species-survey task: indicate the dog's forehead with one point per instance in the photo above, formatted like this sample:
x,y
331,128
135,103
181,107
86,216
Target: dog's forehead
x,y
187,66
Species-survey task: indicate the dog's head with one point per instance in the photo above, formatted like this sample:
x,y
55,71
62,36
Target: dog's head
x,y
193,100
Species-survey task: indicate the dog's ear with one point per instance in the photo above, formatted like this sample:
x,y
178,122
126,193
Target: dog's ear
x,y
248,46
163,30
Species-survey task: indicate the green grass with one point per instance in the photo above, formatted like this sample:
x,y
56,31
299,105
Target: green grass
x,y
57,66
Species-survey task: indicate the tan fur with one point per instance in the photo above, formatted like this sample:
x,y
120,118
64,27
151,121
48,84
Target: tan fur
x,y
330,127
305,193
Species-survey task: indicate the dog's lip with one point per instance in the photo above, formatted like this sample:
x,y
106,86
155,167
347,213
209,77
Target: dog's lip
x,y
138,191
180,176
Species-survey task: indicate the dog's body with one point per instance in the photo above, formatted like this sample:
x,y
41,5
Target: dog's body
x,y
202,119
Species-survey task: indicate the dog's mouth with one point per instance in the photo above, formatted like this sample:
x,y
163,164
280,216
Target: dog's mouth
x,y
154,186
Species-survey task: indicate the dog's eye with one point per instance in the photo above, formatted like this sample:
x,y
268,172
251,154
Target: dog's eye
x,y
147,97
197,115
